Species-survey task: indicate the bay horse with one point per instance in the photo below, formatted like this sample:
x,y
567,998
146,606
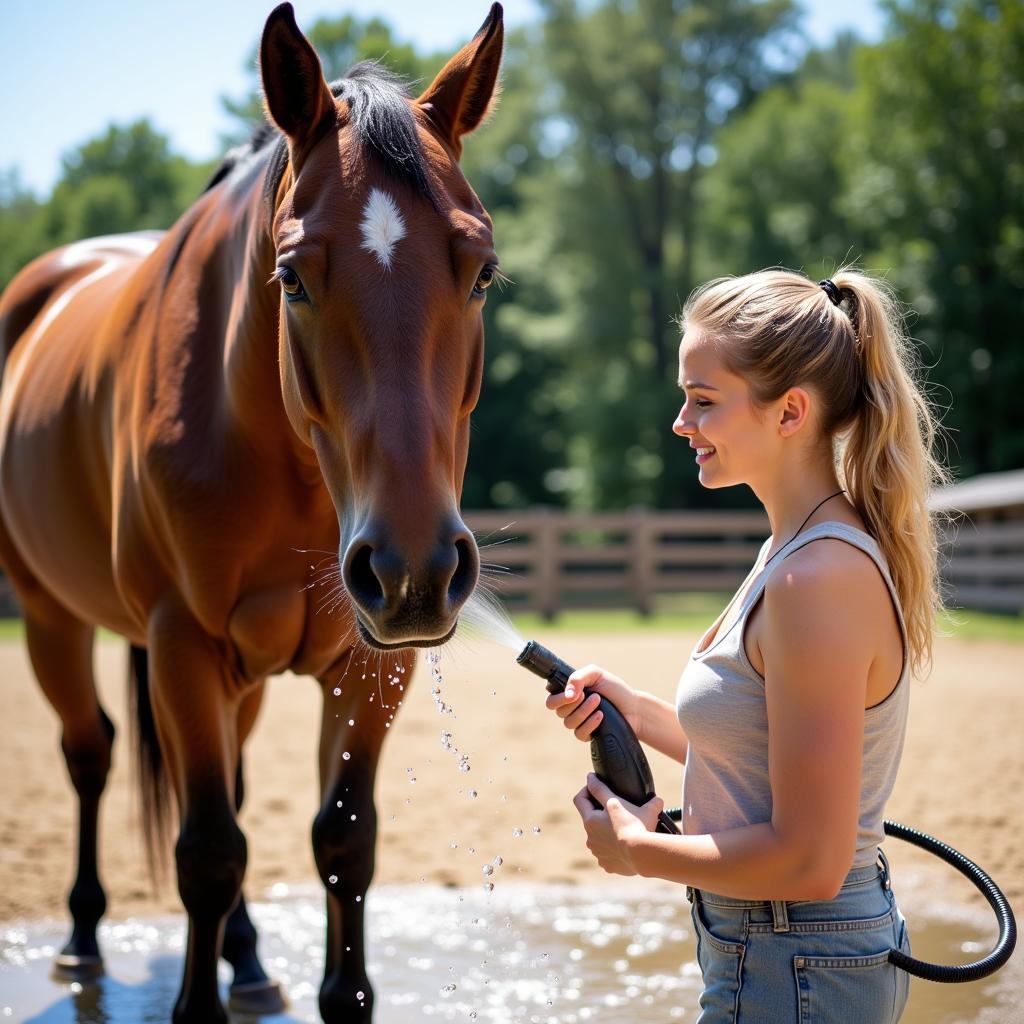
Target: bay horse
x,y
184,417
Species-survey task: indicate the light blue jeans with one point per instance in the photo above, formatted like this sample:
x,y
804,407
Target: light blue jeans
x,y
803,962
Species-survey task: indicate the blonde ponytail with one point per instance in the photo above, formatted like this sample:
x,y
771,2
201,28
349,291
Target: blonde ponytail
x,y
886,456
779,329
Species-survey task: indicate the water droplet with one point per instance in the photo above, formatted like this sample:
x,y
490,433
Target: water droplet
x,y
353,818
464,763
488,869
498,862
473,794
488,886
359,995
536,830
447,990
359,899
339,803
517,832
333,879
346,756
337,691
351,721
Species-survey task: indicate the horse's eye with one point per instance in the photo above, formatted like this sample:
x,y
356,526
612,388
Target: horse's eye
x,y
290,283
484,281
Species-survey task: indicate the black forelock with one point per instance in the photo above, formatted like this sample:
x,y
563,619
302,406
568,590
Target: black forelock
x,y
379,113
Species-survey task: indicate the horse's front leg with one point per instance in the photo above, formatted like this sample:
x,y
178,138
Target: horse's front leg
x,y
252,992
355,722
196,694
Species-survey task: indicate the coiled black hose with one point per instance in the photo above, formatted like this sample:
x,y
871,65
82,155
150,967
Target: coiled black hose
x,y
997,901
955,973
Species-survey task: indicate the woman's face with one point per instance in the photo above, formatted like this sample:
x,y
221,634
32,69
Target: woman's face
x,y
733,441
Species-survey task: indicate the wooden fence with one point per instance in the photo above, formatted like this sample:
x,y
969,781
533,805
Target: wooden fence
x,y
545,560
983,564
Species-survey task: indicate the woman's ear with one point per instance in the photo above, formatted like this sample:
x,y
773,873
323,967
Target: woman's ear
x,y
794,411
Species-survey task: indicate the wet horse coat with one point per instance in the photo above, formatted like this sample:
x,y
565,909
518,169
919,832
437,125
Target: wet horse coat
x,y
185,417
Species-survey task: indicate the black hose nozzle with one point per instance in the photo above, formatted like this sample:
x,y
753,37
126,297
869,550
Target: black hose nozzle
x,y
619,760
546,664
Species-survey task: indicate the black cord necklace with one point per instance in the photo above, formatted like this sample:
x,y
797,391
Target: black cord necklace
x,y
803,524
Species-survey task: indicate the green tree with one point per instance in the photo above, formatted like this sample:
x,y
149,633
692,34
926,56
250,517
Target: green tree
x,y
938,183
22,231
608,222
125,180
775,194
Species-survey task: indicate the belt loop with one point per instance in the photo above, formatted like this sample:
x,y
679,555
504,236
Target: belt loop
x,y
780,916
886,876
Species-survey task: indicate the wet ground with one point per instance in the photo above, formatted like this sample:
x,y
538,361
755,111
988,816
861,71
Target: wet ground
x,y
520,953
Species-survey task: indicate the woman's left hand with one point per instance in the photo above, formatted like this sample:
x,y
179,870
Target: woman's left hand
x,y
615,825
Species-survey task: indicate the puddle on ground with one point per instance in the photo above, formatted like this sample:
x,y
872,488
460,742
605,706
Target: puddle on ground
x,y
534,954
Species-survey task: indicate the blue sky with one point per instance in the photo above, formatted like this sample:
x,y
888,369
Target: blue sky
x,y
68,68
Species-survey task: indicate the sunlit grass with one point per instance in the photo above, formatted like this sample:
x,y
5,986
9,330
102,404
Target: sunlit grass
x,y
696,612
684,613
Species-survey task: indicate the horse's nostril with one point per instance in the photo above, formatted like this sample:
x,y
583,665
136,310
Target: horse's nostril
x,y
361,580
466,570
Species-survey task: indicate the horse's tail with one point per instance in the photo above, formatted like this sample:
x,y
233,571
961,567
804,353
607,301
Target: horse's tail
x,y
153,789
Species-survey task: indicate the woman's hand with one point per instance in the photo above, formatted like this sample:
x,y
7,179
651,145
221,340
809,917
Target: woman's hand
x,y
613,827
582,715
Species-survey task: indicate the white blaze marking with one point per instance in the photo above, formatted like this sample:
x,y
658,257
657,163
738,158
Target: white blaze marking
x,y
382,226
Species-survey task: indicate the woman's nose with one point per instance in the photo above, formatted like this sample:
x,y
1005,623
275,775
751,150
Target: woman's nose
x,y
681,426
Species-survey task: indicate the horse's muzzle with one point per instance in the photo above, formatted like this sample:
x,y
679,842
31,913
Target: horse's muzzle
x,y
410,599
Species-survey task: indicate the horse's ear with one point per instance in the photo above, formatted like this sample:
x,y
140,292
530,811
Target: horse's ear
x,y
460,97
297,98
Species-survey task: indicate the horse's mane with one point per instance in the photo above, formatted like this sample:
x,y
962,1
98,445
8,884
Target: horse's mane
x,y
380,116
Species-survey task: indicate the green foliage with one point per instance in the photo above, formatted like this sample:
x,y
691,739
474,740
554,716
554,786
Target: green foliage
x,y
940,193
22,231
125,180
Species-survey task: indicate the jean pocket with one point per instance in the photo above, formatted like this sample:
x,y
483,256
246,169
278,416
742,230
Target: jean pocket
x,y
721,967
839,989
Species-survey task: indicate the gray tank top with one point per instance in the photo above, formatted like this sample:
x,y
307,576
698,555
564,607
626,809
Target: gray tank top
x,y
721,707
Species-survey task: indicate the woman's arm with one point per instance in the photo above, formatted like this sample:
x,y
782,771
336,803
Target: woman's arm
x,y
820,621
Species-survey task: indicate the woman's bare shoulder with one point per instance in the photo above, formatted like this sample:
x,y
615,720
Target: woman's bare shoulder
x,y
825,579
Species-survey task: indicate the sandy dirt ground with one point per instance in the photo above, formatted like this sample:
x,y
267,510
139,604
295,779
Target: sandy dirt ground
x,y
961,779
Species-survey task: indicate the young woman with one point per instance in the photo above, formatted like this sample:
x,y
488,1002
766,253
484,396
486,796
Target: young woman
x,y
790,714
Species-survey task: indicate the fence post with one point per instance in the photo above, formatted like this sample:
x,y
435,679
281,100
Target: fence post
x,y
548,563
642,552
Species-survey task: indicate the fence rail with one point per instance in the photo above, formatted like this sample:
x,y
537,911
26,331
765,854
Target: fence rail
x,y
545,560
983,565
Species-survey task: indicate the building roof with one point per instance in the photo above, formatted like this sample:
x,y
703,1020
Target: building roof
x,y
988,491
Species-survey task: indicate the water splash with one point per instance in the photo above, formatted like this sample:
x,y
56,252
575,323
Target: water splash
x,y
483,615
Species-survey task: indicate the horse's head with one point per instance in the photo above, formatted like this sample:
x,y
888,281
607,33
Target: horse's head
x,y
384,254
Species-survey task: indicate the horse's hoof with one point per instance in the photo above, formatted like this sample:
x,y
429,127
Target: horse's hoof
x,y
257,998
70,967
